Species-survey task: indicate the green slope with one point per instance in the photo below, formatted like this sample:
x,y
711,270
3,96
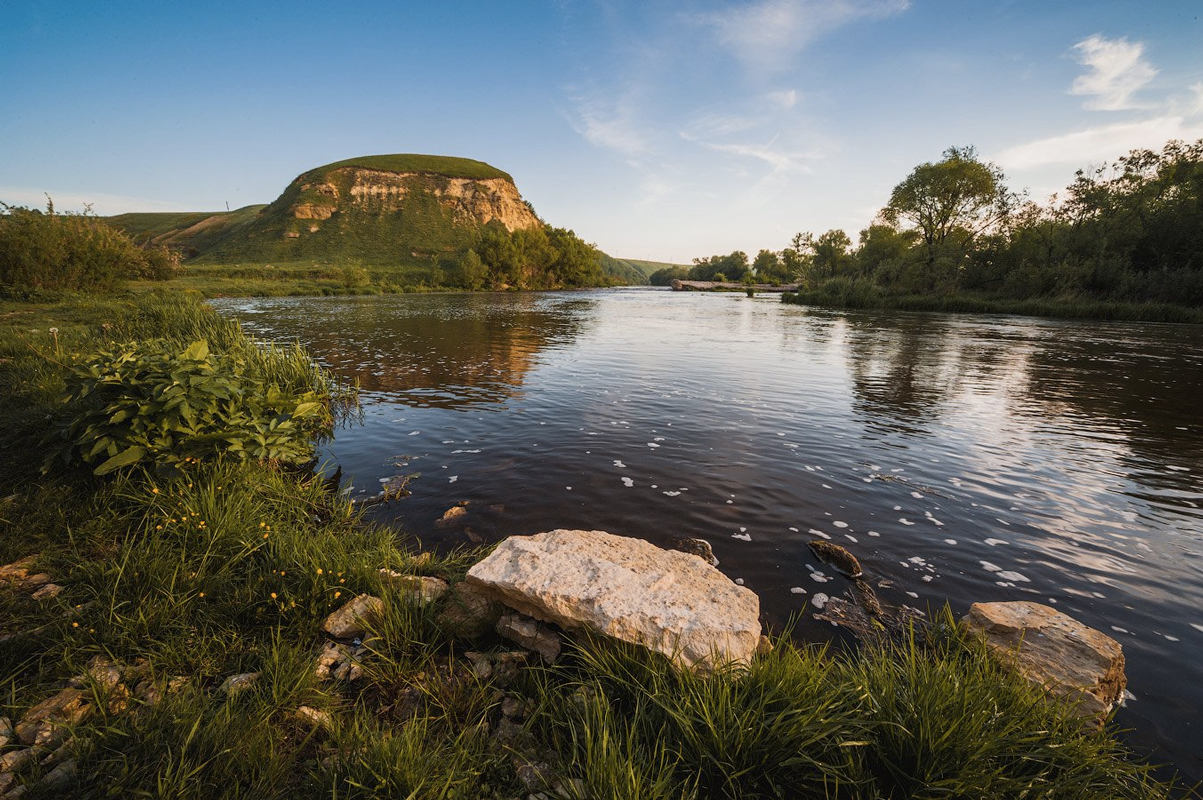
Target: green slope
x,y
190,232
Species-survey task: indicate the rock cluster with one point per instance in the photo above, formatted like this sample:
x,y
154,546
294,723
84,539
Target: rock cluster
x,y
668,601
1053,650
42,734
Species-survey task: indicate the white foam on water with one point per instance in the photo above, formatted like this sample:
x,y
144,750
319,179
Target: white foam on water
x,y
1118,629
569,488
817,532
627,482
795,530
819,577
986,565
652,444
746,537
1197,626
927,578
950,541
797,590
874,534
850,537
839,524
620,465
671,494
905,521
414,433
453,479
913,595
739,581
819,600
916,495
995,542
1012,575
1170,638
897,508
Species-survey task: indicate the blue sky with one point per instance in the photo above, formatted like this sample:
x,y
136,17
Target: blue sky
x,y
660,130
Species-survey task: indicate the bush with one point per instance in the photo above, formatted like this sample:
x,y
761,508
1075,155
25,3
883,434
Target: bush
x,y
51,251
149,403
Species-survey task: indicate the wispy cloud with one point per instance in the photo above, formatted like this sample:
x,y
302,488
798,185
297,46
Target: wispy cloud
x,y
766,35
1096,145
1116,71
612,125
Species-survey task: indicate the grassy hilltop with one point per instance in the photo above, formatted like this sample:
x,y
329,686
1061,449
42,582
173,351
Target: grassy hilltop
x,y
377,224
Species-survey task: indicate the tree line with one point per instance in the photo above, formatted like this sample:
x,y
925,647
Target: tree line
x,y
1128,231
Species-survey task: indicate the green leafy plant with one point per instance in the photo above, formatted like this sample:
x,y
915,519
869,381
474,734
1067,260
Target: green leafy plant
x,y
149,403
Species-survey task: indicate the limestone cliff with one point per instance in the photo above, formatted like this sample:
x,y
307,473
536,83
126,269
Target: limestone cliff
x,y
380,209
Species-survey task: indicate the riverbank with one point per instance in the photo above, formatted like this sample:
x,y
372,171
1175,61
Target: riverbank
x,y
852,296
215,570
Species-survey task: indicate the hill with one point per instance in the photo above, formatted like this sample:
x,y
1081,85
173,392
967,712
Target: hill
x,y
413,216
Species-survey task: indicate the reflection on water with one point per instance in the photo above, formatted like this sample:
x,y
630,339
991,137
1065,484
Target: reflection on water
x,y
961,458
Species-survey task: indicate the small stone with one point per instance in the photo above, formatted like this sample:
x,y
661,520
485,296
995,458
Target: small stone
x,y
315,718
531,634
765,646
65,749
7,734
7,779
34,581
16,760
533,774
512,707
238,683
452,516
836,556
60,777
696,547
339,662
18,571
352,619
415,588
45,724
47,592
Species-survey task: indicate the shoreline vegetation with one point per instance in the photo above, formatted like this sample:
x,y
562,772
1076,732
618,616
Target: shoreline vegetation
x,y
1123,241
172,557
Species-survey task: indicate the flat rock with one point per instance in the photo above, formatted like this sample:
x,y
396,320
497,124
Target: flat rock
x,y
46,724
351,621
238,683
18,571
667,601
532,635
48,591
1055,651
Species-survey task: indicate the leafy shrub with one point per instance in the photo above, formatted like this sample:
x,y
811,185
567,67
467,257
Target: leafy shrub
x,y
48,250
149,403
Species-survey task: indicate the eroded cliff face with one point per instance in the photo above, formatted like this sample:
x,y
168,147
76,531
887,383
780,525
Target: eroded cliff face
x,y
469,200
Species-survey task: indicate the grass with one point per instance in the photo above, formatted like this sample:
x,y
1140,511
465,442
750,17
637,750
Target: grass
x,y
970,304
222,568
448,166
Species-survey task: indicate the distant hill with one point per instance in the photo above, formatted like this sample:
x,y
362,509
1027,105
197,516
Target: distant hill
x,y
381,210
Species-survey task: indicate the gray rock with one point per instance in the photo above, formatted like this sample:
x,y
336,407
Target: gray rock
x,y
696,547
238,683
60,777
47,592
7,734
339,662
315,718
1054,651
532,635
626,588
46,724
351,621
415,588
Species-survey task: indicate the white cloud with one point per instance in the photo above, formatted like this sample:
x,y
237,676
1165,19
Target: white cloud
x,y
611,125
767,34
787,98
1101,144
1116,72
779,160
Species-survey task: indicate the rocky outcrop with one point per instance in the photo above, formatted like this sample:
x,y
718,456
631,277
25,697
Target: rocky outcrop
x,y
629,589
1054,651
470,200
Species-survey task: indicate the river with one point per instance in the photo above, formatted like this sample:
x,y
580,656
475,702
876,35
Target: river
x,y
961,458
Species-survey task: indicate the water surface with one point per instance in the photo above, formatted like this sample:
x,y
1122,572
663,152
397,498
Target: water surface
x,y
961,458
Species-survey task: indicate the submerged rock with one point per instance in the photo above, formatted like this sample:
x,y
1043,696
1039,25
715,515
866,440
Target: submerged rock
x,y
1055,651
696,547
629,589
837,557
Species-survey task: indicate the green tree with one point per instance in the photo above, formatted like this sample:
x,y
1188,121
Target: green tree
x,y
768,267
950,203
470,272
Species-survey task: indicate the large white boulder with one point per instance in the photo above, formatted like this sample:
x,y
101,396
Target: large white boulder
x,y
1068,659
667,601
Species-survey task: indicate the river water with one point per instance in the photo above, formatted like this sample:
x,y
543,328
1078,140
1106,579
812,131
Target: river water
x,y
961,458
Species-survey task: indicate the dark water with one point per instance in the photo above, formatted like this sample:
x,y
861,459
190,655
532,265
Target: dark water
x,y
961,458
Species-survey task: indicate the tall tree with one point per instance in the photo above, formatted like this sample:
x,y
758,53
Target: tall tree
x,y
951,203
